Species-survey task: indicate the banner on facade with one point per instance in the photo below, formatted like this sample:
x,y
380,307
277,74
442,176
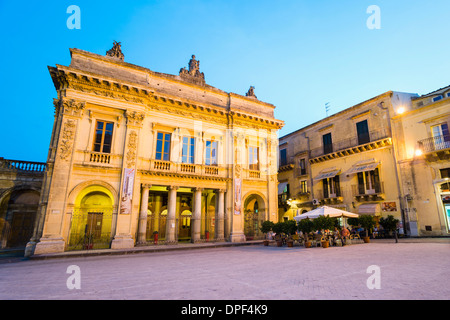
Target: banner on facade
x,y
127,191
237,196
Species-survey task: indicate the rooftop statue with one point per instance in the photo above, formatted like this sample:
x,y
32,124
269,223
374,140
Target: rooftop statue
x,y
251,92
116,51
193,74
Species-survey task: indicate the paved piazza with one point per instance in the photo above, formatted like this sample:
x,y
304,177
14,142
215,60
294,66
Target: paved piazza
x,y
407,270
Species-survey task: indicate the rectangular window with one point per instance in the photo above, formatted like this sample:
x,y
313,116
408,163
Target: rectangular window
x,y
445,173
187,152
283,157
163,146
253,158
331,187
211,153
327,143
369,182
363,132
103,136
303,186
302,165
437,98
441,136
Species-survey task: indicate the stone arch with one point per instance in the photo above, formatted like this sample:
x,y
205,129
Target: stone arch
x,y
18,215
75,192
92,220
254,213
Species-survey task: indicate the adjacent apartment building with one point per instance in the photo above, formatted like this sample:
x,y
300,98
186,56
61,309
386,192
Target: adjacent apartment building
x,y
386,156
134,153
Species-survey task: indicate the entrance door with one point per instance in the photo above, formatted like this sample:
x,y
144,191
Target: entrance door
x,y
94,225
21,228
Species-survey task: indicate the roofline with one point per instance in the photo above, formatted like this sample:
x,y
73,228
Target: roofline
x,y
388,93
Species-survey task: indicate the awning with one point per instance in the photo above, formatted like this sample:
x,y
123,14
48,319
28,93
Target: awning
x,y
329,174
370,209
363,167
282,187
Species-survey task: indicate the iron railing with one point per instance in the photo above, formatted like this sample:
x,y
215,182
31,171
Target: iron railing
x,y
435,143
350,142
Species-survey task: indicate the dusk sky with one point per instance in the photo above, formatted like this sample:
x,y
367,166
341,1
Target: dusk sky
x,y
299,55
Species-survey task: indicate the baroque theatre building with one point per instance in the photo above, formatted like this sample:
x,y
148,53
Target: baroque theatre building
x,y
134,153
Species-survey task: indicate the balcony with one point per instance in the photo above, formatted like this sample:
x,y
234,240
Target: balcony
x,y
330,198
377,139
181,169
436,148
92,158
362,192
22,166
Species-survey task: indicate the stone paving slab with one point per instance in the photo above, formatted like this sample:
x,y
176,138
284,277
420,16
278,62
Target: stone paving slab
x,y
408,270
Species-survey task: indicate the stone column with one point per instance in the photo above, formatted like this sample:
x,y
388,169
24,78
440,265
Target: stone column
x,y
142,235
197,215
220,215
171,214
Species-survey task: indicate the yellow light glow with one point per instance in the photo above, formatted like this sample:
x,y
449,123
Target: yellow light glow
x,y
418,153
401,110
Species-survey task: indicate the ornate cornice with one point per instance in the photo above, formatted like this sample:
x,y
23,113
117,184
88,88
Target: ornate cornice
x,y
69,78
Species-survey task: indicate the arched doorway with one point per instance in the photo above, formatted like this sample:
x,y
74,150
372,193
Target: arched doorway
x,y
17,217
254,215
91,223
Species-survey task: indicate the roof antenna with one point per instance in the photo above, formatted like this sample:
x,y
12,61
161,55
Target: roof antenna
x,y
327,107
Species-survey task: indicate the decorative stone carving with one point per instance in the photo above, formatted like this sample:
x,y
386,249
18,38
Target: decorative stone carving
x,y
132,146
66,143
251,92
134,118
193,74
116,51
73,107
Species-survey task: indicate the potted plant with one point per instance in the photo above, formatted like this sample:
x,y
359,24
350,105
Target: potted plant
x,y
324,223
390,224
278,228
266,227
366,221
306,226
290,227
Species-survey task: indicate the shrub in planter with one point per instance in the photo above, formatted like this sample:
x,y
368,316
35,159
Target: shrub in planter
x,y
390,224
306,226
278,228
266,227
367,222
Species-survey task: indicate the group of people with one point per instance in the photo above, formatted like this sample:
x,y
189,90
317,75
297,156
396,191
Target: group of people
x,y
334,235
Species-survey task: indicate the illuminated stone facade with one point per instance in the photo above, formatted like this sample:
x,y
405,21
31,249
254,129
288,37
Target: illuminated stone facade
x,y
135,152
386,156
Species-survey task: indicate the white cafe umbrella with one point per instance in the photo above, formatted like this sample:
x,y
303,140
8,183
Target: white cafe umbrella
x,y
326,211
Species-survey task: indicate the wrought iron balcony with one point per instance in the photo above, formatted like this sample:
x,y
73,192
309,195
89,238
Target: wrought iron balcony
x,y
356,144
433,144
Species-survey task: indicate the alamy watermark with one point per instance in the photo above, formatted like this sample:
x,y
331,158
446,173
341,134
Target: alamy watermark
x,y
374,281
74,20
374,20
74,280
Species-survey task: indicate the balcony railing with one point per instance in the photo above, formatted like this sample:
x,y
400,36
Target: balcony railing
x,y
435,143
362,190
350,142
25,166
182,168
